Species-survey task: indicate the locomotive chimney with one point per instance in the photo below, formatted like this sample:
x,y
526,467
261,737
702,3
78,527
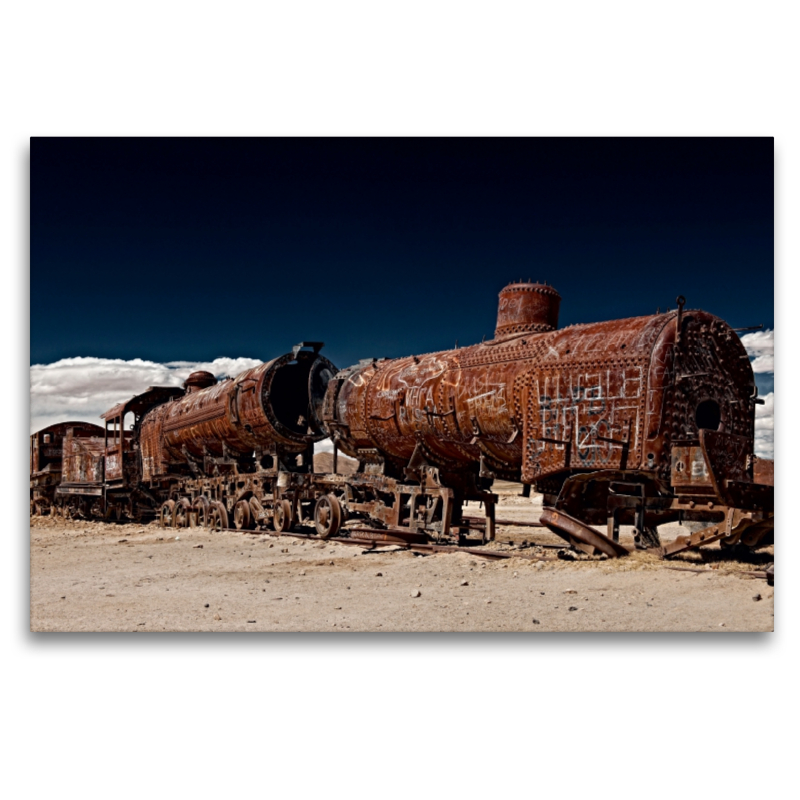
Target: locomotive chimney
x,y
198,380
527,308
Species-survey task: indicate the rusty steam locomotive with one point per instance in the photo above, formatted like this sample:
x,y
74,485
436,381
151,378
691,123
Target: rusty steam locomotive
x,y
638,421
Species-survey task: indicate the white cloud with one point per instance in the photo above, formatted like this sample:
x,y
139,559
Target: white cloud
x,y
81,389
765,427
760,347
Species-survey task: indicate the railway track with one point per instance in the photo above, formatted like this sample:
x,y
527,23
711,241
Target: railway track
x,y
373,538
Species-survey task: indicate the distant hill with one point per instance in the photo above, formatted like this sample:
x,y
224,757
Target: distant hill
x,y
323,462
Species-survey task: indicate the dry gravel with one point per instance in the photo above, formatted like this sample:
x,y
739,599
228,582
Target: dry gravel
x,y
88,576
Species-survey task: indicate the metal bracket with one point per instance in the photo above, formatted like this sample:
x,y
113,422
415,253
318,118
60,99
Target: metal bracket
x,y
316,346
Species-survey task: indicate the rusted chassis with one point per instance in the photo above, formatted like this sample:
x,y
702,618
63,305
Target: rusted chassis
x,y
638,421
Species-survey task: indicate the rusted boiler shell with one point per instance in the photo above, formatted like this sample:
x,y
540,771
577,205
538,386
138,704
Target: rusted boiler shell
x,y
276,405
607,395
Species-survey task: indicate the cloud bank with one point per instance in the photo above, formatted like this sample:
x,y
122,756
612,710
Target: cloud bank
x,y
765,427
760,347
81,389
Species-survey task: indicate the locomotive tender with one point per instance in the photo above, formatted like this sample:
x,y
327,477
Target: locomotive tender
x,y
638,421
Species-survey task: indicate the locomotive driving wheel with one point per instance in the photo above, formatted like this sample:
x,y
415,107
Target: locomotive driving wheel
x,y
202,509
327,516
167,514
218,516
180,517
282,518
241,516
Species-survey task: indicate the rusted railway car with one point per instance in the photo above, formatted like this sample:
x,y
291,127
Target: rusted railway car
x,y
638,421
57,456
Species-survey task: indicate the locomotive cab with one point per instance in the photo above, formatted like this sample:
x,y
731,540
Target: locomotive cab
x,y
120,456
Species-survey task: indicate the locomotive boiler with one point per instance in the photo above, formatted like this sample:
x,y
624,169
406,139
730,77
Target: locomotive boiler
x,y
636,421
264,416
223,447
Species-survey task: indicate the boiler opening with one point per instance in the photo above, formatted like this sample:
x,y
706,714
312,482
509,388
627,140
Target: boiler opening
x,y
708,415
297,393
288,396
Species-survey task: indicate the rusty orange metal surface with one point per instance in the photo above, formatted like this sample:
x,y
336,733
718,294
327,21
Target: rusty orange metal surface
x,y
83,458
764,471
271,410
532,404
47,444
47,449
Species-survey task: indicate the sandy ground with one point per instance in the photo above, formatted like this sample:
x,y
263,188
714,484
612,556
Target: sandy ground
x,y
88,576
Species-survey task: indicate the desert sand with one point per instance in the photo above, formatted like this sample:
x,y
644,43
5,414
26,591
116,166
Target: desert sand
x,y
90,576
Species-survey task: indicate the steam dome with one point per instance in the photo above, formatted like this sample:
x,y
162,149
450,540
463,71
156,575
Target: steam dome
x,y
527,308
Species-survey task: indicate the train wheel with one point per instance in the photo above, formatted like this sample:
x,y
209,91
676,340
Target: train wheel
x,y
327,516
180,517
282,518
241,516
167,514
218,516
201,506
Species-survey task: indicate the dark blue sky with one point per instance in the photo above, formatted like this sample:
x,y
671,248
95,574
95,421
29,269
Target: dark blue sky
x,y
169,249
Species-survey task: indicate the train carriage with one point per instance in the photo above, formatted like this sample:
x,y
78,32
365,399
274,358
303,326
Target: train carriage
x,y
58,454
